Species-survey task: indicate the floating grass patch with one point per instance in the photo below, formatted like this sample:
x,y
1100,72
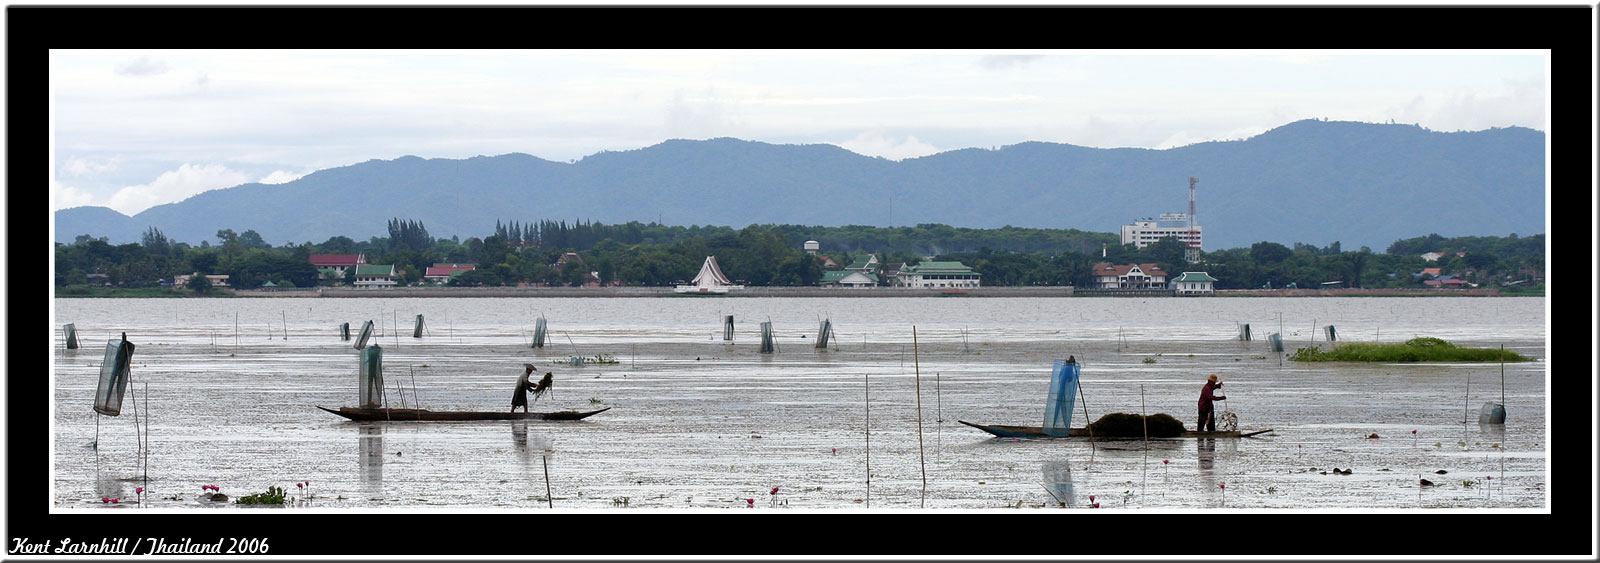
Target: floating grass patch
x,y
1423,349
1129,425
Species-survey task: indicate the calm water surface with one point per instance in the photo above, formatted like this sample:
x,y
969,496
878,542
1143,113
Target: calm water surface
x,y
698,423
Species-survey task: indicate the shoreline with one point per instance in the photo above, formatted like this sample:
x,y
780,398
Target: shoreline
x,y
810,292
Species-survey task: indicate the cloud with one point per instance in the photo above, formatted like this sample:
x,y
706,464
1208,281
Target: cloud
x,y
874,143
63,196
995,62
141,66
173,186
77,166
281,177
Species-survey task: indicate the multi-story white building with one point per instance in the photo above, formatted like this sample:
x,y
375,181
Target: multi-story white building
x,y
1145,231
940,274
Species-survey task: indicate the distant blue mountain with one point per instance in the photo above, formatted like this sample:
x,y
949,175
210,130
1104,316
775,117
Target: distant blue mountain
x,y
1309,181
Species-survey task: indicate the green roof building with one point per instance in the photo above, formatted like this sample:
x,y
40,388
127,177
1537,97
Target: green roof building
x,y
940,274
1193,283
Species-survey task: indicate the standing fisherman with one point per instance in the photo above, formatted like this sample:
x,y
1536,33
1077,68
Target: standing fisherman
x,y
519,398
1208,418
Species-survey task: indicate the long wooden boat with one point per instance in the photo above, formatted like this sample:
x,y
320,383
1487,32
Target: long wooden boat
x,y
386,414
1038,432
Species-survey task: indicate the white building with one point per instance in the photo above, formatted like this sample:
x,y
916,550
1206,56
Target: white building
x,y
1193,283
940,274
1145,231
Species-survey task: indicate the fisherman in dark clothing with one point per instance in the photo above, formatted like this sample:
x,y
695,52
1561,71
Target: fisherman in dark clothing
x,y
519,398
1208,418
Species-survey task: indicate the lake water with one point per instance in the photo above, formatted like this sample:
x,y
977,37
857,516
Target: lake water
x,y
698,423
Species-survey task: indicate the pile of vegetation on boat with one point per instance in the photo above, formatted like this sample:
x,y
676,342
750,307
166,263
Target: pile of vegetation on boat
x,y
1129,425
1424,349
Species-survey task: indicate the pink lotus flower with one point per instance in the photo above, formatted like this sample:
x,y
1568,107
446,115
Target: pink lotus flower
x,y
1091,498
139,490
774,490
1165,461
751,502
114,501
300,485
104,500
1222,485
1095,505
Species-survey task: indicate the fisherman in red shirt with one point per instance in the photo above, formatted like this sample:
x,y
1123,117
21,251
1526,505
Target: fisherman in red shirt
x,y
1208,419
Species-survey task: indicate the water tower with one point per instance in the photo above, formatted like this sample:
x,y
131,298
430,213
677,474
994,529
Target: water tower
x,y
812,247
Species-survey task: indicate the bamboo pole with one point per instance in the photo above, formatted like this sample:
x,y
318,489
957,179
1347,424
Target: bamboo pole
x,y
921,457
867,393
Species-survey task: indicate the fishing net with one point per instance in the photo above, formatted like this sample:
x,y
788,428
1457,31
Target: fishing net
x,y
767,346
371,377
72,336
366,332
417,332
113,377
1492,413
1063,393
344,332
1244,332
538,333
1276,341
1228,422
1333,335
727,328
823,333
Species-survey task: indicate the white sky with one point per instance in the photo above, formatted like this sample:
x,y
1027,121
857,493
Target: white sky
x,y
131,129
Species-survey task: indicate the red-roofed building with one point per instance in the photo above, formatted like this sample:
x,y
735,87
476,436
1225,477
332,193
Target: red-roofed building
x,y
441,272
1129,276
337,263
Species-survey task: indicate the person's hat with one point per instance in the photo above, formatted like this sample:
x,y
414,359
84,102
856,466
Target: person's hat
x,y
1212,378
528,366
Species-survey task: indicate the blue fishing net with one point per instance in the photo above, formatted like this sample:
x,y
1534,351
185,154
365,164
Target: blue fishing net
x,y
1063,393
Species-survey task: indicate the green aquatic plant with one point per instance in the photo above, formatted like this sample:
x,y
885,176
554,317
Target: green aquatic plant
x,y
274,495
1128,425
1423,349
1149,360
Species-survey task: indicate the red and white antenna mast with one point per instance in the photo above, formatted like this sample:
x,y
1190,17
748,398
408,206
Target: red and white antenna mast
x,y
1194,238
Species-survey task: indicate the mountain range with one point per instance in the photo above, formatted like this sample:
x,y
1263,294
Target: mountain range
x,y
1312,181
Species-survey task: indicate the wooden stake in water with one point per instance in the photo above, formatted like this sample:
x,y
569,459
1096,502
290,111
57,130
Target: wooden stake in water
x,y
867,393
916,364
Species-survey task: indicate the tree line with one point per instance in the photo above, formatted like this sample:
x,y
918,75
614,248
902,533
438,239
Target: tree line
x,y
773,255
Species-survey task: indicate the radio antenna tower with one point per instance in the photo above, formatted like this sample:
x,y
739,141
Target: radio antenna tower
x,y
1192,254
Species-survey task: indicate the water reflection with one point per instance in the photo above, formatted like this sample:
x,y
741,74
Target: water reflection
x,y
369,450
1058,481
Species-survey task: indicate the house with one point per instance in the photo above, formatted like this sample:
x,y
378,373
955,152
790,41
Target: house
x,y
1428,272
1191,283
1432,256
375,276
567,257
440,273
864,265
1129,276
939,274
847,278
336,263
827,262
217,280
98,279
890,274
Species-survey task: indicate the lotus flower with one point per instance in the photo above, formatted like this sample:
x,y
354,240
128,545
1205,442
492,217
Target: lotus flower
x,y
751,502
1095,505
774,490
139,490
300,485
